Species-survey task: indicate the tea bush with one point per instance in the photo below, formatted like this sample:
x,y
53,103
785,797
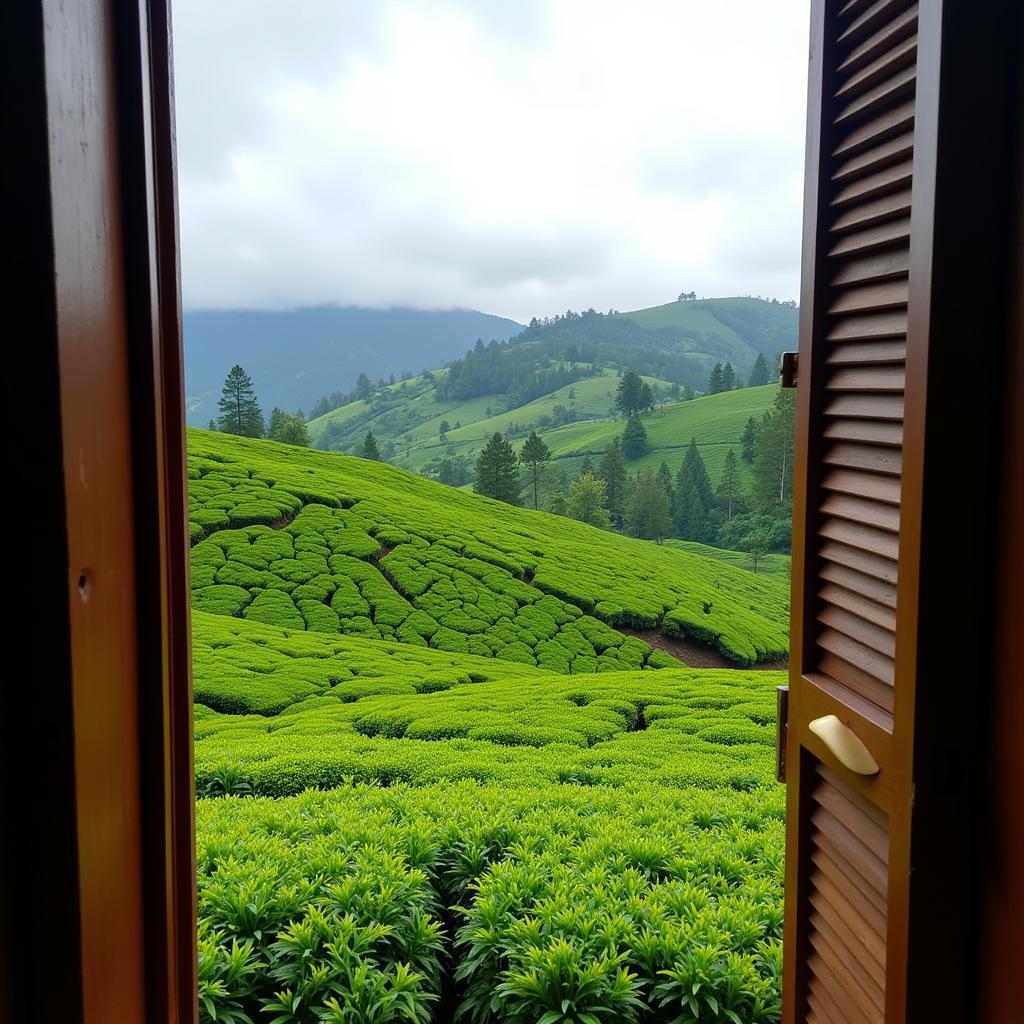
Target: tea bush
x,y
351,546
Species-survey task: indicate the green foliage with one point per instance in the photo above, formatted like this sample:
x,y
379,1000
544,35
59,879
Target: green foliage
x,y
587,501
239,410
715,380
369,448
633,395
325,542
535,454
497,473
288,429
648,514
759,374
634,438
773,453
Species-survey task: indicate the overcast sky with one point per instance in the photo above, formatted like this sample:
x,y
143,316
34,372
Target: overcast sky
x,y
520,157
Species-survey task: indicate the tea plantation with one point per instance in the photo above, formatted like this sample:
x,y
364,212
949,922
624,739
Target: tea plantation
x,y
305,539
438,782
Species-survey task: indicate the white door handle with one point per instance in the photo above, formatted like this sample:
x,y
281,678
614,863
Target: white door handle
x,y
845,744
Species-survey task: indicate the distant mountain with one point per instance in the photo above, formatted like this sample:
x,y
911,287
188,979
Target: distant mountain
x,y
297,356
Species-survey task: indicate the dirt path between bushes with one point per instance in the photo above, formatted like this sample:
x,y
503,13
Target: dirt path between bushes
x,y
693,654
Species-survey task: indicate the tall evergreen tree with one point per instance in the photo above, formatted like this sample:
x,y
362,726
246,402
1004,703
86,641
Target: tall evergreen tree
x,y
759,374
629,396
729,487
364,389
612,470
647,397
588,465
369,448
239,410
773,453
665,479
694,496
728,377
715,380
587,501
747,440
535,454
497,471
648,513
634,438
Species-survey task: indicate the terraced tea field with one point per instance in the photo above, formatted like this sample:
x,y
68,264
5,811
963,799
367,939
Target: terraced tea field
x,y
438,780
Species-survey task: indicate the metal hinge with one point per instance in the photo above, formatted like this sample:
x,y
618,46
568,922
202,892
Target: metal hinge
x,y
781,730
788,368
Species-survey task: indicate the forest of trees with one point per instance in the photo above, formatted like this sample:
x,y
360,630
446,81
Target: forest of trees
x,y
240,413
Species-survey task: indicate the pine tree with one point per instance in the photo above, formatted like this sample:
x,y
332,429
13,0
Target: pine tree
x,y
535,454
364,389
588,466
648,513
759,374
587,501
665,479
729,487
728,377
747,440
634,438
694,497
689,394
369,448
497,471
612,470
213,425
239,410
715,380
773,453
647,397
629,396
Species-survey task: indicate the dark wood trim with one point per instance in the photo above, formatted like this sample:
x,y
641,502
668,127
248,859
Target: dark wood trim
x,y
109,857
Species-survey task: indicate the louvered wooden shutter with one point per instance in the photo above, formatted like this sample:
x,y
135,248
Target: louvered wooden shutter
x,y
854,557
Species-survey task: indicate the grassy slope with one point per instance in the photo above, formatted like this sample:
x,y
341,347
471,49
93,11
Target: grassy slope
x,y
456,557
716,421
777,566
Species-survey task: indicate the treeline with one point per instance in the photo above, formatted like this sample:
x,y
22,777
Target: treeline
x,y
240,413
662,503
498,369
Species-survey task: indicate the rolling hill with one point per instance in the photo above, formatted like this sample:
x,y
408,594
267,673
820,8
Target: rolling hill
x,y
311,540
297,356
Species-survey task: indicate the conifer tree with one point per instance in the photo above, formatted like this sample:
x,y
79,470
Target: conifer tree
x,y
729,487
239,410
665,479
588,465
773,453
288,428
694,497
747,440
728,377
634,438
759,374
497,471
535,455
629,396
715,380
648,513
612,470
370,448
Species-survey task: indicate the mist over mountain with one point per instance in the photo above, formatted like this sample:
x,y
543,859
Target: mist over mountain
x,y
296,356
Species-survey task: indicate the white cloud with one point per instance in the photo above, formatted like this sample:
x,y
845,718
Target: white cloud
x,y
519,158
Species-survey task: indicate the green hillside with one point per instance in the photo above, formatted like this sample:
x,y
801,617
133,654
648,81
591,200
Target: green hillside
x,y
771,565
440,777
306,539
716,421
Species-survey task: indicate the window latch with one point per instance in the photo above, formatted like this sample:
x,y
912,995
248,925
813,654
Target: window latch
x,y
788,369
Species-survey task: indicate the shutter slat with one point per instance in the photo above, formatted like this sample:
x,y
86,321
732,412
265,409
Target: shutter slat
x,y
876,590
871,297
824,984
860,656
870,326
886,64
876,637
879,129
854,980
876,566
874,211
861,537
872,458
858,510
869,610
889,179
864,353
903,25
875,15
863,485
889,151
878,236
877,266
856,941
868,407
858,681
838,853
873,378
871,431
